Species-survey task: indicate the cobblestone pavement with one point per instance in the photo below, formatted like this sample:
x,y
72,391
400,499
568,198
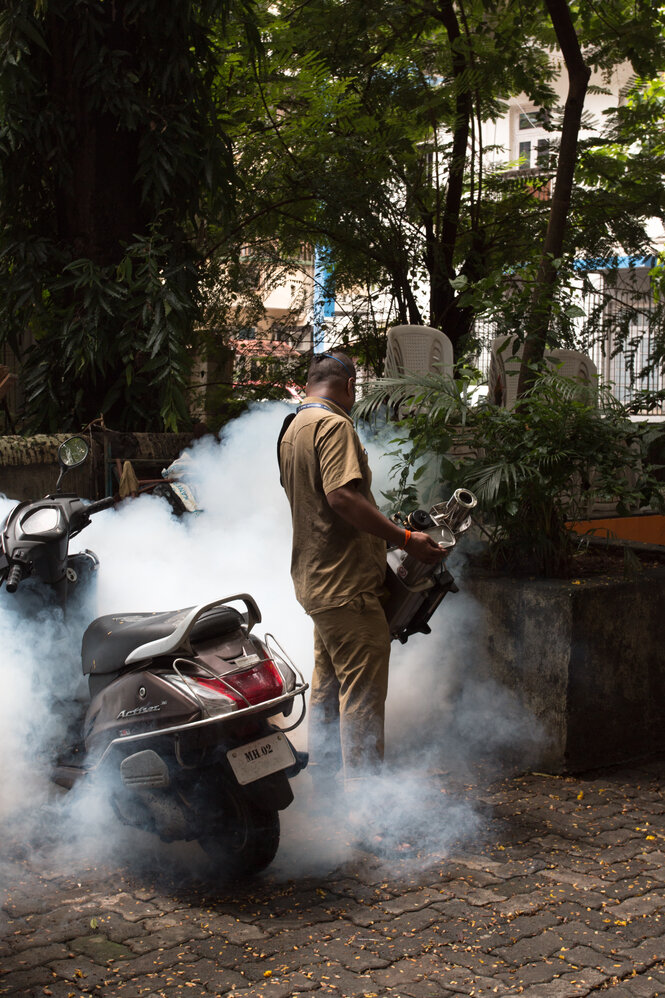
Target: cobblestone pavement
x,y
556,889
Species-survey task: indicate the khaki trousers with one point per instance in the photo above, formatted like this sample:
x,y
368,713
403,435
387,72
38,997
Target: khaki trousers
x,y
349,687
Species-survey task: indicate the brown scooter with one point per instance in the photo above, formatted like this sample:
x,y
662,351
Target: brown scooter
x,y
182,718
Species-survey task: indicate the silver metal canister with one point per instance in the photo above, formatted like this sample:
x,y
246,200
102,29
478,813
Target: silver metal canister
x,y
413,585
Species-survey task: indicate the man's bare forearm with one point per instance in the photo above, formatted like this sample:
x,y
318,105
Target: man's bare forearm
x,y
353,507
357,510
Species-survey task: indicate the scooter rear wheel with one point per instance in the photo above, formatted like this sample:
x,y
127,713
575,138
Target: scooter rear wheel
x,y
240,838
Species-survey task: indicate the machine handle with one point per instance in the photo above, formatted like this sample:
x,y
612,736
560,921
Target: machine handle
x,y
97,507
15,575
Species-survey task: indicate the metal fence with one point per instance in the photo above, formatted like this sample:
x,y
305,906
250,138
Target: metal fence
x,y
623,349
619,331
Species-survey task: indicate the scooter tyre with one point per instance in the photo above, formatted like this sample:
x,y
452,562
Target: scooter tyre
x,y
244,840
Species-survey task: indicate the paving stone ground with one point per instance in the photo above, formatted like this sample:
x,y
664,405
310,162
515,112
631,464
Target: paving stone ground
x,y
531,885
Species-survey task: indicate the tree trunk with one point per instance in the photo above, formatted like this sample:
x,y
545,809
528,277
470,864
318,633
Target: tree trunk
x,y
540,308
99,208
439,255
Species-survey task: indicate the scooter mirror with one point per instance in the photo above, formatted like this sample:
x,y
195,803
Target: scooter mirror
x,y
73,452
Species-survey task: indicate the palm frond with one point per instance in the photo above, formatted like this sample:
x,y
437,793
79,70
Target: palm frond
x,y
439,395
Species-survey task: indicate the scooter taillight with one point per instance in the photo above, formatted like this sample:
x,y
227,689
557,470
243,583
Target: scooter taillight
x,y
220,689
255,685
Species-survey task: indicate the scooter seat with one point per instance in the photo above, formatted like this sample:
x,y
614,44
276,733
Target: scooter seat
x,y
109,640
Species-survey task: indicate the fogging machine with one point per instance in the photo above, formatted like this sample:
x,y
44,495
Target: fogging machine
x,y
415,589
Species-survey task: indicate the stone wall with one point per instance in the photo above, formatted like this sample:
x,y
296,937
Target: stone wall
x,y
585,657
29,465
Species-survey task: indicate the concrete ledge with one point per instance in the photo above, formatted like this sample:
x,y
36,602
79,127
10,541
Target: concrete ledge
x,y
41,449
586,657
29,467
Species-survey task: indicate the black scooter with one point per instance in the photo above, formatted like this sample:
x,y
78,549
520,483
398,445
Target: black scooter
x,y
181,717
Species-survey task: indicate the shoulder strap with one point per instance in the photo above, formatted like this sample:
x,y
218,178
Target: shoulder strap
x,y
287,422
313,405
285,425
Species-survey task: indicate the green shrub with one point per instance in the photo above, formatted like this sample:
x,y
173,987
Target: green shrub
x,y
533,468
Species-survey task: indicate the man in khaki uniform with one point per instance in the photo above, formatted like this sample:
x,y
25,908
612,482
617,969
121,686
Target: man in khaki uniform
x,y
338,568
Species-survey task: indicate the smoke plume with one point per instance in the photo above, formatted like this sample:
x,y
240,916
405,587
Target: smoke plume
x,y
151,560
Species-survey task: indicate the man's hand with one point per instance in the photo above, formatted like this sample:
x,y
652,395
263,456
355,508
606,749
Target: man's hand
x,y
422,547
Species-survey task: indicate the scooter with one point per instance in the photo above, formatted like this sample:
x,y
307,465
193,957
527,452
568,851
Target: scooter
x,y
181,718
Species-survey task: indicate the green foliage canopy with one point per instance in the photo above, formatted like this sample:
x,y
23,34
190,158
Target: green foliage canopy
x,y
112,154
369,134
143,143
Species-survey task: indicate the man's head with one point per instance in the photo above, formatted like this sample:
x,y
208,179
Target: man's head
x,y
333,375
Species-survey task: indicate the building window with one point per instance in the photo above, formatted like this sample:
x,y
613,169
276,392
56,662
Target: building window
x,y
525,155
534,119
543,153
530,142
528,119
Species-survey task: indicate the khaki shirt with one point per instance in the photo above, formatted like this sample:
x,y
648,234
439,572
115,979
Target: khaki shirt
x,y
332,562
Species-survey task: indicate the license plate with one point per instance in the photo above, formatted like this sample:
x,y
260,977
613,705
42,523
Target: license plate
x,y
260,758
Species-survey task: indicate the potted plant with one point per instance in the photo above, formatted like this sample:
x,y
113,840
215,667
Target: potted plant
x,y
583,652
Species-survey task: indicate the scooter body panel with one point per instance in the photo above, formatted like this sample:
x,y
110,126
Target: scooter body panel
x,y
135,703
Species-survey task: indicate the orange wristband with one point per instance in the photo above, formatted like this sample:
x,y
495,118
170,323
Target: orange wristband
x,y
407,538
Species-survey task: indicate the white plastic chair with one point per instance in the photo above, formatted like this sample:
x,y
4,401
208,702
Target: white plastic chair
x,y
418,350
573,364
505,368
